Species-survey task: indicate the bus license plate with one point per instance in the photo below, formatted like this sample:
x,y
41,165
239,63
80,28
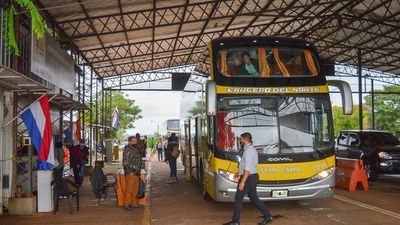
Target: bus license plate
x,y
280,193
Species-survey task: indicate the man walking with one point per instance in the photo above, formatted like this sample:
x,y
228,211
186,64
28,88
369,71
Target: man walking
x,y
248,178
132,161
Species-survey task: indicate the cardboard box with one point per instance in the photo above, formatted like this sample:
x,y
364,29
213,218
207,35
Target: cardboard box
x,y
22,206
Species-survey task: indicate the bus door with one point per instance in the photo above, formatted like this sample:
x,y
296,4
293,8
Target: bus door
x,y
191,161
197,144
194,141
186,150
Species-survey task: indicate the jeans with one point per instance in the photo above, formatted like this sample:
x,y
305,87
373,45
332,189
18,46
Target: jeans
x,y
250,188
160,154
82,171
77,176
172,167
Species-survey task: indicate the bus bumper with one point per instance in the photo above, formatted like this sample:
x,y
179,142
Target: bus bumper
x,y
226,190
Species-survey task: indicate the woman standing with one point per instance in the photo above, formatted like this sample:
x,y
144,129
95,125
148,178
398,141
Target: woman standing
x,y
172,142
160,149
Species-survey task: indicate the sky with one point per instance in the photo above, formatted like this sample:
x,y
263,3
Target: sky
x,y
158,107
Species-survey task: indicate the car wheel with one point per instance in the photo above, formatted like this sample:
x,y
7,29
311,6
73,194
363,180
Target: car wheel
x,y
371,169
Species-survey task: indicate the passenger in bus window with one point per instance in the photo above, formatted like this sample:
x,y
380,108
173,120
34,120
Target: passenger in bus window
x,y
249,66
233,63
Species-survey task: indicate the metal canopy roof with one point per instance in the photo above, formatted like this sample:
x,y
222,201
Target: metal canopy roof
x,y
120,37
12,80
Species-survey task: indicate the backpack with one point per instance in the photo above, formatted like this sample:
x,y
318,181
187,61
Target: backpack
x,y
176,152
142,189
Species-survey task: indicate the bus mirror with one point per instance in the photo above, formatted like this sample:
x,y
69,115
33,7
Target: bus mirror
x,y
211,98
345,92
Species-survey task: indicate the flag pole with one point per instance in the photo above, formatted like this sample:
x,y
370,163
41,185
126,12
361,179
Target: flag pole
x,y
26,108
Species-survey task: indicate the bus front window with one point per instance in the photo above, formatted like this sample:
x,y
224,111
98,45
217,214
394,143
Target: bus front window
x,y
279,125
267,62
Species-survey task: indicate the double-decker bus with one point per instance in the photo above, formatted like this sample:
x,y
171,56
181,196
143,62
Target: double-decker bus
x,y
274,88
170,126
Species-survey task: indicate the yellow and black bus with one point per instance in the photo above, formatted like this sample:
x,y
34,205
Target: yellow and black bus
x,y
274,88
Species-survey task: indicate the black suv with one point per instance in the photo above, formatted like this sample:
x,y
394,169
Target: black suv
x,y
380,151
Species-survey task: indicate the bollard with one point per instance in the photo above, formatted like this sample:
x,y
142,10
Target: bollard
x,y
349,173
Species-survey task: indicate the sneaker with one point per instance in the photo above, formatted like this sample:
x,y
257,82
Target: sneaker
x,y
174,180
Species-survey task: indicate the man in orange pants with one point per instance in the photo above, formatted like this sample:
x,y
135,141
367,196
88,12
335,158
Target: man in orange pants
x,y
132,162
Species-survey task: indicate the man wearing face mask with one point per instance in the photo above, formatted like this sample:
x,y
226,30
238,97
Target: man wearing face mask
x,y
132,161
248,179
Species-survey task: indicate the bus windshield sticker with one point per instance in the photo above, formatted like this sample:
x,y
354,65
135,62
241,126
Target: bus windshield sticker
x,y
245,102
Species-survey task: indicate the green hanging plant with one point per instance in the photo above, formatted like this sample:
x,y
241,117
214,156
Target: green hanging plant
x,y
9,33
37,21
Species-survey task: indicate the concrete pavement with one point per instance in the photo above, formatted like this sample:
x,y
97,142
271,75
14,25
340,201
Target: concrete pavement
x,y
182,204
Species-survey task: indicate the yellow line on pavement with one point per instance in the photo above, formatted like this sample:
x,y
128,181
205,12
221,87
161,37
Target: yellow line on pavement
x,y
146,214
366,206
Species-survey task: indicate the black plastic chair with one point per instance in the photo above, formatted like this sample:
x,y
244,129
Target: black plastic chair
x,y
64,189
102,182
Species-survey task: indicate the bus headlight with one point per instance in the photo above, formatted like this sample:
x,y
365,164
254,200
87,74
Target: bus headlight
x,y
228,175
323,174
384,155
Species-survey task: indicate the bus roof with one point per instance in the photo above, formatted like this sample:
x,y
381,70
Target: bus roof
x,y
274,40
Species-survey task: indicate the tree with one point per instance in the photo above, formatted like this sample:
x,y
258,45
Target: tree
x,y
387,109
198,109
346,122
128,113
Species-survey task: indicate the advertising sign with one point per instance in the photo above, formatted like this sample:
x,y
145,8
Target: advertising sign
x,y
53,64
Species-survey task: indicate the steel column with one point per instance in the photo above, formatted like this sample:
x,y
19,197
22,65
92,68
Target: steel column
x,y
103,124
91,118
97,117
360,105
373,104
83,102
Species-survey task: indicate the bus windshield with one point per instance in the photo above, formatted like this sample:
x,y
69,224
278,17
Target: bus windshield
x,y
267,62
173,124
278,124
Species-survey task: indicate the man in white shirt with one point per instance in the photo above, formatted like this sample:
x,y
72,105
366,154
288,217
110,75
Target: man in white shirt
x,y
248,179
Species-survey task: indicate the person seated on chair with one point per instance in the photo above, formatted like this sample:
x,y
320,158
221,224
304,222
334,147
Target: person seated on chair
x,y
76,163
249,66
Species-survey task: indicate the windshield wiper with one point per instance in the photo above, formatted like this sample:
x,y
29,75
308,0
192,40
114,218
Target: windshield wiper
x,y
321,152
303,146
299,146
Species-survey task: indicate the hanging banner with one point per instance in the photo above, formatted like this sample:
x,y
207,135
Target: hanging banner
x,y
53,64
